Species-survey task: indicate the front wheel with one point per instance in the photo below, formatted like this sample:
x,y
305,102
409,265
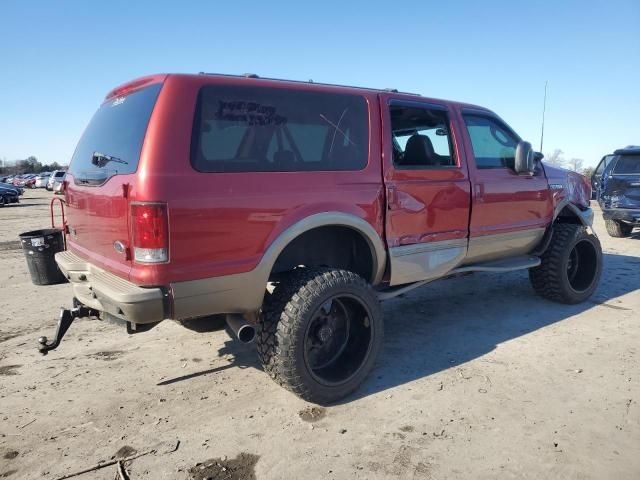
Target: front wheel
x,y
571,265
320,333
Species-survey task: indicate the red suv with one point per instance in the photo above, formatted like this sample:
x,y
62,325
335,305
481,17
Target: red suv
x,y
293,208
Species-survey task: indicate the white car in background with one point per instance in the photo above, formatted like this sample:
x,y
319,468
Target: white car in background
x,y
56,177
42,180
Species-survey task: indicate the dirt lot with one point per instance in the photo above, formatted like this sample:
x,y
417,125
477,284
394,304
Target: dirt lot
x,y
479,379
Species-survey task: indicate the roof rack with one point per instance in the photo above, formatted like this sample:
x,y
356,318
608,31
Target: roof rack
x,y
253,75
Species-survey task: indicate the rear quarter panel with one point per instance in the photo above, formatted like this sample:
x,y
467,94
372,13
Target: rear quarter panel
x,y
222,223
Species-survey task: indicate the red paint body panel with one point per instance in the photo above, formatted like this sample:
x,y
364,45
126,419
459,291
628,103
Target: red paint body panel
x,y
219,223
425,205
97,217
502,200
505,201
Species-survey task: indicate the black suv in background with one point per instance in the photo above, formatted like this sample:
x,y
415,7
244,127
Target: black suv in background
x,y
619,191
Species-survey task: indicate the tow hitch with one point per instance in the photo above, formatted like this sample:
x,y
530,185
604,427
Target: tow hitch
x,y
66,319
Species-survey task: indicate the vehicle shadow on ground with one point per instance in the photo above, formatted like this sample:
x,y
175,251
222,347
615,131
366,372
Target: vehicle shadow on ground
x,y
19,205
453,321
239,354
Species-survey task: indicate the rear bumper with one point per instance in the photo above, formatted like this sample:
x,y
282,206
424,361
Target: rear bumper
x,y
103,291
628,215
106,292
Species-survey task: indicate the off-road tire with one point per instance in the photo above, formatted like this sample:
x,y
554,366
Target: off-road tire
x,y
551,278
618,229
286,316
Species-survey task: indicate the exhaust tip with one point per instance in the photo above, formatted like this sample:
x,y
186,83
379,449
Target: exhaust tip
x,y
246,334
243,331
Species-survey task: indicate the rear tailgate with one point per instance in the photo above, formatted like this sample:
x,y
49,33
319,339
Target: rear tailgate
x,y
102,172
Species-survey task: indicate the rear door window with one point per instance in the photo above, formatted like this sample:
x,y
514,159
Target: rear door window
x,y
421,137
117,130
627,165
257,129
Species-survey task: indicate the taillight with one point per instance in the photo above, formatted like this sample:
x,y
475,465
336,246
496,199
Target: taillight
x,y
150,231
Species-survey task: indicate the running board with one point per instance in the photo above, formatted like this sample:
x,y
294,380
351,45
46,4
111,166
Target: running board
x,y
505,265
523,262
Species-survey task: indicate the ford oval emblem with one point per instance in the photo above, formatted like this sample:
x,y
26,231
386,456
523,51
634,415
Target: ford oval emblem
x,y
119,246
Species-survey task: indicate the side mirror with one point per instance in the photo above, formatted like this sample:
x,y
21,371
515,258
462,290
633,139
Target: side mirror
x,y
525,162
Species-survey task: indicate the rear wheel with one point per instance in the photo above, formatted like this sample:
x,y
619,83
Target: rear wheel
x,y
618,229
571,265
320,333
3,201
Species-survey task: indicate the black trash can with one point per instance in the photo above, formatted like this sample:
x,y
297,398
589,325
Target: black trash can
x,y
39,248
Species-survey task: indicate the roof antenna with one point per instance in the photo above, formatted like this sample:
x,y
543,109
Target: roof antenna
x,y
544,108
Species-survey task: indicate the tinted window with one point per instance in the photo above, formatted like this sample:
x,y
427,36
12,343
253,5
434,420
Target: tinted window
x,y
421,138
117,129
249,129
494,146
627,165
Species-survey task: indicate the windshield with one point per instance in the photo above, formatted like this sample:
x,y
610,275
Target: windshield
x,y
627,165
116,130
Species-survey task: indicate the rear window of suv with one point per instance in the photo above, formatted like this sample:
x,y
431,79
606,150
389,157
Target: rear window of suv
x,y
249,129
116,130
627,165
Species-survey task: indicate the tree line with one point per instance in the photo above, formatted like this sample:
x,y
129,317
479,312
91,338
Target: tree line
x,y
576,164
29,165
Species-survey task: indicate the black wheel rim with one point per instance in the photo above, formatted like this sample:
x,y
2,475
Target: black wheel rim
x,y
582,266
338,340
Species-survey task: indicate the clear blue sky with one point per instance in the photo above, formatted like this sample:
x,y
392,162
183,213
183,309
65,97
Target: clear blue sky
x,y
59,59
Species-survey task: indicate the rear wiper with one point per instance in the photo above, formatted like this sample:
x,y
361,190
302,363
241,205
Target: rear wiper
x,y
100,159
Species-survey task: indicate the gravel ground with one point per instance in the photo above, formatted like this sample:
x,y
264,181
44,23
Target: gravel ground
x,y
479,378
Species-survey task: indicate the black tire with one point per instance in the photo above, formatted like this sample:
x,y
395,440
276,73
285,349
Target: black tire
x,y
618,229
571,265
3,201
320,333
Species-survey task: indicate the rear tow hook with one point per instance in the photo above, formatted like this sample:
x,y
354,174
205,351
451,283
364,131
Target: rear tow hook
x,y
66,319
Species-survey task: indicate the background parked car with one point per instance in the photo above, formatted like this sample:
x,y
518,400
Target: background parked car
x,y
619,192
42,180
8,195
18,190
56,176
57,184
28,181
596,178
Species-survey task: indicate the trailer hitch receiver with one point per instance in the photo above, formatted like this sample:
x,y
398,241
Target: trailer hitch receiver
x,y
64,322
